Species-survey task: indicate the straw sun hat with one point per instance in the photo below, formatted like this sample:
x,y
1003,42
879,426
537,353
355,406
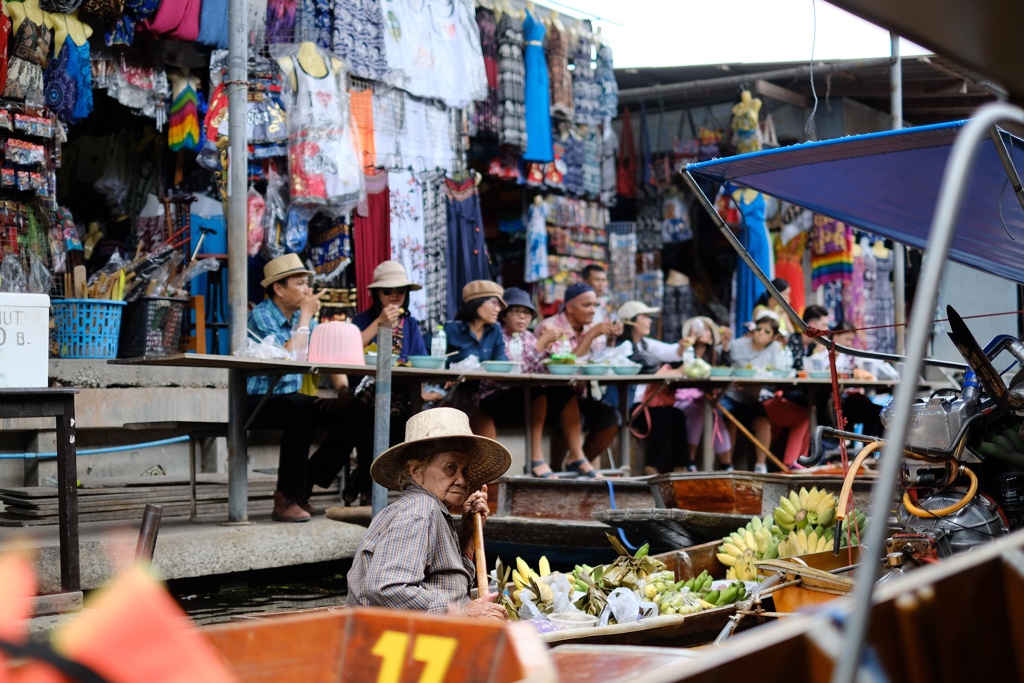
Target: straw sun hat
x,y
391,275
282,267
440,430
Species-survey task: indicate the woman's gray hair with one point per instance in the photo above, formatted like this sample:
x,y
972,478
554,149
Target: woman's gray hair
x,y
424,457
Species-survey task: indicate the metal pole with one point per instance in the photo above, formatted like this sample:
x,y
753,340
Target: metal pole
x,y
899,278
954,184
382,410
146,544
237,90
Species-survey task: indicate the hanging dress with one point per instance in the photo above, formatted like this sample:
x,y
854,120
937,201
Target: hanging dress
x,y
558,72
586,92
5,34
789,259
487,114
754,237
357,37
511,83
604,75
30,53
537,243
408,235
538,95
61,87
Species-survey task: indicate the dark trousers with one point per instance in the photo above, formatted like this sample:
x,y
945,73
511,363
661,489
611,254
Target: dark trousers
x,y
363,420
300,416
667,446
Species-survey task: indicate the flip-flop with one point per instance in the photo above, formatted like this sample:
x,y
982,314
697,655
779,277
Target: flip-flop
x,y
546,475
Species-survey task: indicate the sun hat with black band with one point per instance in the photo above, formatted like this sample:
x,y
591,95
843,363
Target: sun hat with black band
x,y
391,275
283,267
441,430
481,289
631,309
517,297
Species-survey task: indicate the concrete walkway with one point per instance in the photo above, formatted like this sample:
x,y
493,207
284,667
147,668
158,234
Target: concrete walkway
x,y
190,549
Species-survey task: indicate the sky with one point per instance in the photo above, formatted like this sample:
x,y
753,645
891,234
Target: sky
x,y
691,32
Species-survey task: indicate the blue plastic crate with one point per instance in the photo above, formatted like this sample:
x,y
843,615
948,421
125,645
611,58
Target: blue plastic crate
x,y
87,328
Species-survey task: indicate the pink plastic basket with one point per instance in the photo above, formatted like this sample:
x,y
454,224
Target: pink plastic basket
x,y
336,343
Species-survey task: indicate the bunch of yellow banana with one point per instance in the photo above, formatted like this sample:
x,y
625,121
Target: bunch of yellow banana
x,y
523,573
802,542
742,548
797,510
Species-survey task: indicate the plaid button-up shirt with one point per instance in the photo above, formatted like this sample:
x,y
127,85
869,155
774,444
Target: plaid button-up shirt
x,y
410,558
267,319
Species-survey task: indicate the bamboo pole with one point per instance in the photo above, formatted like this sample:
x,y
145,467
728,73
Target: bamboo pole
x,y
746,432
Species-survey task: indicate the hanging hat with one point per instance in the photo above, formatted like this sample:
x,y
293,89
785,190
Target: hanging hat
x,y
517,297
478,289
283,267
574,290
632,309
391,275
688,331
441,430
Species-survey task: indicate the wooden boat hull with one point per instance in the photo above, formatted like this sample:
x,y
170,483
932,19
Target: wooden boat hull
x,y
693,508
361,644
744,493
921,624
666,528
531,517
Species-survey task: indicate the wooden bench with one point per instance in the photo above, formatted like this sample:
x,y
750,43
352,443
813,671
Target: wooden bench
x,y
195,431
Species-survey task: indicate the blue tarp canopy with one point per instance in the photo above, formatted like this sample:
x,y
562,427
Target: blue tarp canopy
x,y
888,184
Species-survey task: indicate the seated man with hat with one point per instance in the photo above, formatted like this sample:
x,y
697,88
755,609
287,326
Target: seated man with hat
x,y
582,336
412,557
289,308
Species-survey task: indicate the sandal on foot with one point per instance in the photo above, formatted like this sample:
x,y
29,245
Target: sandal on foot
x,y
577,467
534,466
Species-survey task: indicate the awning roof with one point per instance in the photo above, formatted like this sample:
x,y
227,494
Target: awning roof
x,y
888,184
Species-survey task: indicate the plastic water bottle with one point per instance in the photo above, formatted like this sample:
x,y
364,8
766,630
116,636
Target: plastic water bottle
x,y
515,348
689,356
787,360
439,344
300,344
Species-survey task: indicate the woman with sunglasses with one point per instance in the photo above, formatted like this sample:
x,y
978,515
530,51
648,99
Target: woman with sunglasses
x,y
390,293
390,303
760,351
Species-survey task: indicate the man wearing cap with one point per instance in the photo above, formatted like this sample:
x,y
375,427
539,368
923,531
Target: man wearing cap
x,y
412,557
576,328
289,308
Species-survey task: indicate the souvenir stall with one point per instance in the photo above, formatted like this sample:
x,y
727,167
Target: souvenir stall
x,y
372,134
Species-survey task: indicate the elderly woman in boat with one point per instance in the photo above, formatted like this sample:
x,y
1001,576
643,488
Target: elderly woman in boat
x,y
412,556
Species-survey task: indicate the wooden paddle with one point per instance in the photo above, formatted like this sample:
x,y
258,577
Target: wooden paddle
x,y
482,583
746,432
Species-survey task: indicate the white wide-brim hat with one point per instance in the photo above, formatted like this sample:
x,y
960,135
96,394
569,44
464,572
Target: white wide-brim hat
x,y
441,430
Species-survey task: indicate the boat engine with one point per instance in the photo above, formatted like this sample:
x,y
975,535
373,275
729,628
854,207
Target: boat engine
x,y
962,476
959,478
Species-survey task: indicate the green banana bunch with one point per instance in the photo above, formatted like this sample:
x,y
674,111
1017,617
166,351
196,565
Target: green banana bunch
x,y
854,527
799,509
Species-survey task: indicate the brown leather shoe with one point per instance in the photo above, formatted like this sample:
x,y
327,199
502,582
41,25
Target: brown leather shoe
x,y
286,510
